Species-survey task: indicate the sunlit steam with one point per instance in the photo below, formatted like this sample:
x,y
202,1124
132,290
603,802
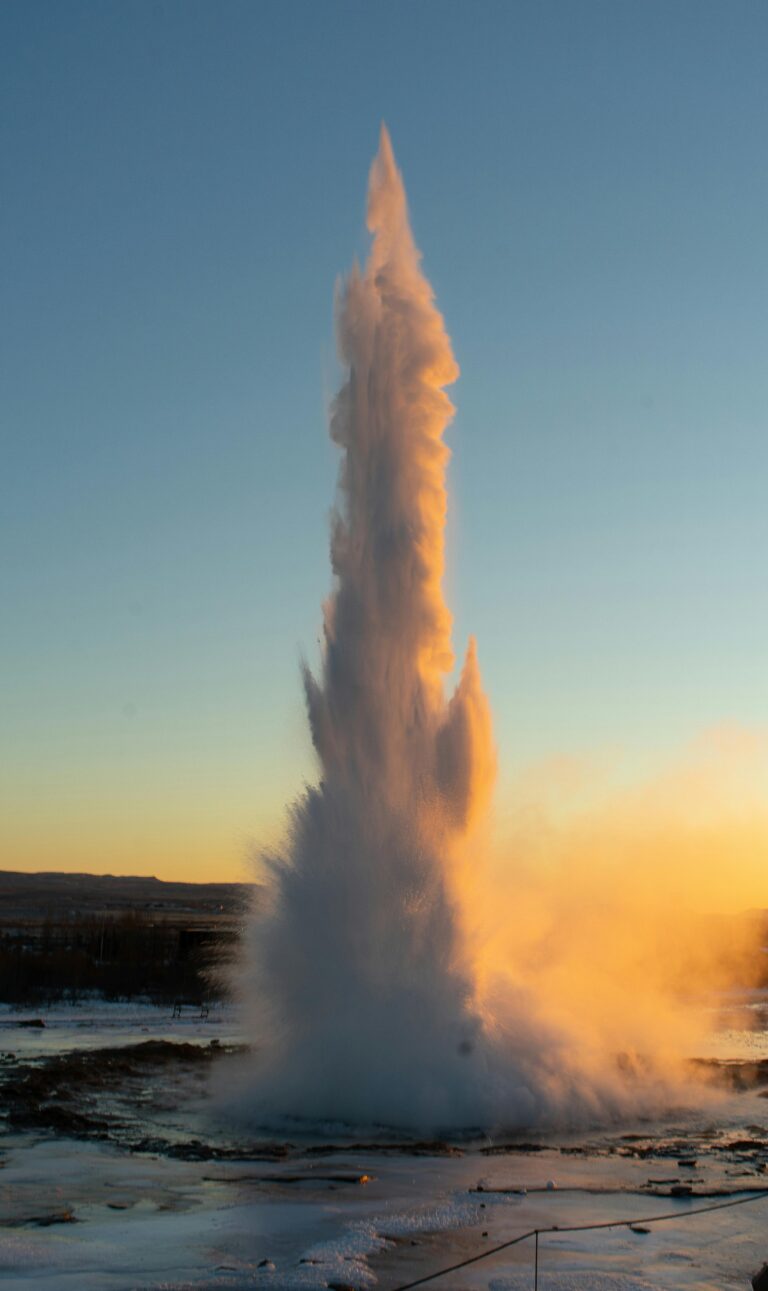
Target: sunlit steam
x,y
390,976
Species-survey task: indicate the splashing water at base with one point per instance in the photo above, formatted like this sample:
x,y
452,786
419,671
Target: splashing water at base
x,y
364,975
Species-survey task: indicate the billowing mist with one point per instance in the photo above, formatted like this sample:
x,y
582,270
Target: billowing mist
x,y
402,970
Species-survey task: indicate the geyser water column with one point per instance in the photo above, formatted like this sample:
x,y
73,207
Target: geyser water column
x,y
359,983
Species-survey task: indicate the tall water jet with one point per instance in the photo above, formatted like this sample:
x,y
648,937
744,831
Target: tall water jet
x,y
364,990
387,978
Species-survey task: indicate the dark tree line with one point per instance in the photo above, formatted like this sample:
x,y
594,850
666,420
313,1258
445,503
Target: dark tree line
x,y
119,956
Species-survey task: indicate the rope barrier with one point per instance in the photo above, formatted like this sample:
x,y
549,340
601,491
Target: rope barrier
x,y
579,1228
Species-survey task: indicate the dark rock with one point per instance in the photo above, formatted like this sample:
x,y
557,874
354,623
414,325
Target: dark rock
x,y
496,1149
404,1147
43,1093
736,1076
44,1221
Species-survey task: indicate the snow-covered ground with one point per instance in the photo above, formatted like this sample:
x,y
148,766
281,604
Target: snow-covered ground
x,y
97,1023
86,1214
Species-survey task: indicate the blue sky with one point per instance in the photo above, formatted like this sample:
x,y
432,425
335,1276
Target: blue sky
x,y
182,184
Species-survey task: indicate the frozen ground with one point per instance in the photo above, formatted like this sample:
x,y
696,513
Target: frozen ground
x,y
115,1176
96,1023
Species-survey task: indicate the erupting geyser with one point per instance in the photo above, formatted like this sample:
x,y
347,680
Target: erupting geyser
x,y
385,979
358,960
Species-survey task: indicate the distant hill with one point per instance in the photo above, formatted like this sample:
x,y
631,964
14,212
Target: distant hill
x,y
33,896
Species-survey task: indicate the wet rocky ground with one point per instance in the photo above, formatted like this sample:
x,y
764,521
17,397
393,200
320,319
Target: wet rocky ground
x,y
115,1174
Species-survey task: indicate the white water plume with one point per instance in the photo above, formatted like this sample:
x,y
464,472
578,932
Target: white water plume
x,y
358,964
372,993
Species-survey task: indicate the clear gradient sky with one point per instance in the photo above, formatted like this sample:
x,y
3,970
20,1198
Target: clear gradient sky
x,y
182,184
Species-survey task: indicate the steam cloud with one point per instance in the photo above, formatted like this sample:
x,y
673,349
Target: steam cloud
x,y
374,993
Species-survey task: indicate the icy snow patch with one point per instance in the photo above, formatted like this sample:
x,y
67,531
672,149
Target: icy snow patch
x,y
344,1258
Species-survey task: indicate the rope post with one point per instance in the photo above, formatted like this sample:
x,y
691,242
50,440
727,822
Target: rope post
x,y
536,1262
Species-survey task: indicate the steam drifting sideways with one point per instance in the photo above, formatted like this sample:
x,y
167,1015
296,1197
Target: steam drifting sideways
x,y
364,974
